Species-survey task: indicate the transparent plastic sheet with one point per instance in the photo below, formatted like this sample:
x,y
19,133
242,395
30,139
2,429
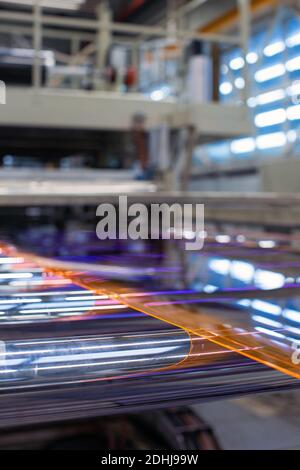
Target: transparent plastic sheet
x,y
35,363
232,333
67,351
235,336
41,361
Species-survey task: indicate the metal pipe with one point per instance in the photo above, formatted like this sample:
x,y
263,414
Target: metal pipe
x,y
103,40
184,34
37,45
142,30
245,31
59,34
188,7
49,19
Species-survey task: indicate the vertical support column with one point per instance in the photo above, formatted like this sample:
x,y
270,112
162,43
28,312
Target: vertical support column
x,y
103,36
75,48
245,31
190,146
135,62
37,44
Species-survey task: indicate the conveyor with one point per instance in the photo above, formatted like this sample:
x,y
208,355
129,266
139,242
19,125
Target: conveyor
x,y
75,188
76,343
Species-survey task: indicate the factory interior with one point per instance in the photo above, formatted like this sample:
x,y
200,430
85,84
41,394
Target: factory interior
x,y
120,332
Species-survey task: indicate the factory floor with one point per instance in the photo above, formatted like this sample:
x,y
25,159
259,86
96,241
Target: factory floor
x,y
262,422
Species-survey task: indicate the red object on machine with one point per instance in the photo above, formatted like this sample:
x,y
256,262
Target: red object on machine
x,y
130,77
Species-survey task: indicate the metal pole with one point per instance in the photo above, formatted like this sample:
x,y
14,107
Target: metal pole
x,y
37,43
190,146
135,61
141,30
189,7
75,48
103,38
245,31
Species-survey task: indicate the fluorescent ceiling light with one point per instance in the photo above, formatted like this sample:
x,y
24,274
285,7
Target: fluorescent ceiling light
x,y
270,96
243,145
225,88
293,64
293,40
269,73
292,135
270,118
269,141
239,83
252,57
294,89
274,48
293,113
251,102
237,63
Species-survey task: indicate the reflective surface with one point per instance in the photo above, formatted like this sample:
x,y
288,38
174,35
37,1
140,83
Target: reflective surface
x,y
113,326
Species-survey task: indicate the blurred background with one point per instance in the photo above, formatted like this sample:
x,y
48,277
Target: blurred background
x,y
163,101
157,59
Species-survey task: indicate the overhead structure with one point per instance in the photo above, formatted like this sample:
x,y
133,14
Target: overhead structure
x,y
53,107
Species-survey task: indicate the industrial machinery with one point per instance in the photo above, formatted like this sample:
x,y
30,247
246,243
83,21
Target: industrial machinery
x,y
97,334
110,342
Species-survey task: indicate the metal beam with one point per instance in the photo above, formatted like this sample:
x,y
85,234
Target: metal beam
x,y
136,29
37,44
245,31
103,40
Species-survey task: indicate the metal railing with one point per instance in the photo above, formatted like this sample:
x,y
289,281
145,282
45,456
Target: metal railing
x,y
102,32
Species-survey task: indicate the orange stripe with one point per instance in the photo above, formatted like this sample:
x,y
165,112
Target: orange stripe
x,y
230,18
238,337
